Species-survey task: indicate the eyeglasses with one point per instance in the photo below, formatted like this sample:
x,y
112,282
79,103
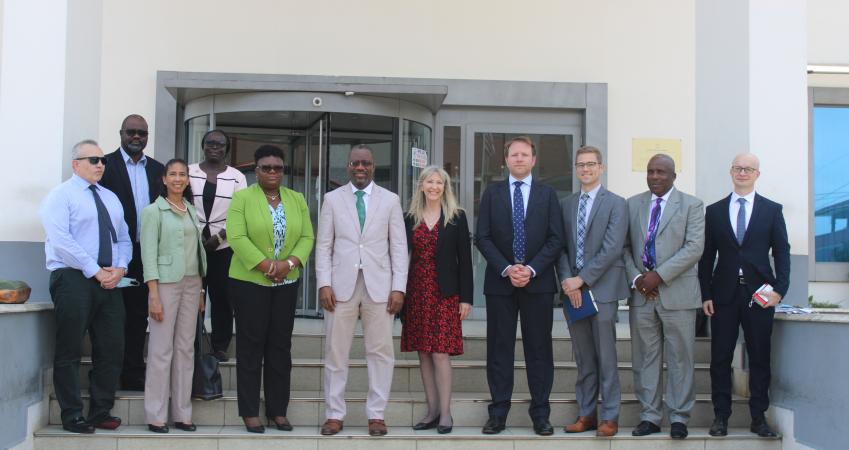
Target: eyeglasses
x,y
266,168
586,165
134,132
93,160
214,144
361,162
746,170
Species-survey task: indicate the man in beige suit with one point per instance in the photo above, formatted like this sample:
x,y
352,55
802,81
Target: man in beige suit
x,y
361,268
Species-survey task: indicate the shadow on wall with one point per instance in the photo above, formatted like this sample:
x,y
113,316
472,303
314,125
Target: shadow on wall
x,y
24,261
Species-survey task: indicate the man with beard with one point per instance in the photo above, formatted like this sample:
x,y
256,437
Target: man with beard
x,y
135,179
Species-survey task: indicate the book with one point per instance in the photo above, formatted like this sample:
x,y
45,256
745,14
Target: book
x,y
588,307
759,296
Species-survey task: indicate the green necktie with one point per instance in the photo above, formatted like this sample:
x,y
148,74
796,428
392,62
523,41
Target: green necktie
x,y
361,208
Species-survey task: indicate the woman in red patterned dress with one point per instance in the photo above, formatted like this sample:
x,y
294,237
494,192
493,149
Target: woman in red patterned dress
x,y
439,290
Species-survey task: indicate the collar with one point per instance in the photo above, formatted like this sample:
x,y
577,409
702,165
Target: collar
x,y
593,193
126,157
81,183
367,189
750,198
665,196
527,180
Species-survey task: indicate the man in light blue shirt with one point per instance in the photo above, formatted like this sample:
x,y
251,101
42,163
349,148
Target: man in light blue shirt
x,y
88,250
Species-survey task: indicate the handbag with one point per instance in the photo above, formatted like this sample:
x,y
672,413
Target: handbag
x,y
206,382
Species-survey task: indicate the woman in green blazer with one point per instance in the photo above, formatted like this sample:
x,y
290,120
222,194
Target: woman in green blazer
x,y
271,235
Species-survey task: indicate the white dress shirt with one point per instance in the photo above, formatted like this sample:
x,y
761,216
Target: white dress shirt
x,y
366,197
734,209
593,193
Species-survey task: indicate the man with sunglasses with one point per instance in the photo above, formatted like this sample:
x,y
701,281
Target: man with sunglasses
x,y
135,179
87,250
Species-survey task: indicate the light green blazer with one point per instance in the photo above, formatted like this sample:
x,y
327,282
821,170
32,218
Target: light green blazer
x,y
161,242
251,235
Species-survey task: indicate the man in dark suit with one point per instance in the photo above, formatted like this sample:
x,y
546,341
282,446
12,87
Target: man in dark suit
x,y
135,179
742,229
520,233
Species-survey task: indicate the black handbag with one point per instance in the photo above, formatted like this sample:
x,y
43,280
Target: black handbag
x,y
206,382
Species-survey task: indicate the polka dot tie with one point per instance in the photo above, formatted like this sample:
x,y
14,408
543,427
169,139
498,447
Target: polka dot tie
x,y
518,224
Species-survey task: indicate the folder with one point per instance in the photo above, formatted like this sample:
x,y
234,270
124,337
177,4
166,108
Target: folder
x,y
588,307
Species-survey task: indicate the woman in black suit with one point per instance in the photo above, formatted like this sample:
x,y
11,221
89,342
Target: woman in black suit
x,y
439,290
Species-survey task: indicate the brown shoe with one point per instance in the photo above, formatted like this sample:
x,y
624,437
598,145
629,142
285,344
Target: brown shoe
x,y
607,428
583,423
331,427
377,427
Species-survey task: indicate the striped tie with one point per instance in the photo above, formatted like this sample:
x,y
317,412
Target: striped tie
x,y
582,231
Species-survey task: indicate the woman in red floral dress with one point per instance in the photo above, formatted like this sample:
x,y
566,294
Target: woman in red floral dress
x,y
439,290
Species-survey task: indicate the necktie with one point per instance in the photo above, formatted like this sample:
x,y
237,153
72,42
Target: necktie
x,y
518,224
361,208
105,231
582,231
741,220
649,256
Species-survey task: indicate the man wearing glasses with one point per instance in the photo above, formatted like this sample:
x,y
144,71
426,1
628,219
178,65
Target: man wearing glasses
x,y
742,229
135,179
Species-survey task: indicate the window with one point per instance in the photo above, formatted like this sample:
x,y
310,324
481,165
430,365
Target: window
x,y
830,184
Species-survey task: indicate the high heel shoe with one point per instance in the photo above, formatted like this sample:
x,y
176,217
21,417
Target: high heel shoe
x,y
427,425
253,429
283,425
445,429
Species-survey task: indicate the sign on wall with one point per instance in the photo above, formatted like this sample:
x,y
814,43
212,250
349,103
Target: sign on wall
x,y
419,158
642,149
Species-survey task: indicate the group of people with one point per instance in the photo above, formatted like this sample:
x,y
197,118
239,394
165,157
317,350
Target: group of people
x,y
187,231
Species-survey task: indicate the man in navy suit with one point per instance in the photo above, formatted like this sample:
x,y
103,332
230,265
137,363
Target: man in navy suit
x,y
742,228
520,233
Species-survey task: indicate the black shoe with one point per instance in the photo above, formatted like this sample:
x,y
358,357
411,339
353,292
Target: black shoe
x,y
761,428
78,425
283,425
645,428
444,429
678,430
157,428
719,427
543,427
427,425
221,356
494,425
185,426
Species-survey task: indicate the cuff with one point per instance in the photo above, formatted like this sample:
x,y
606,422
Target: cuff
x,y
504,272
533,272
634,281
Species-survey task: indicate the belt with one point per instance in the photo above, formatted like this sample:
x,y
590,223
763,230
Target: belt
x,y
741,280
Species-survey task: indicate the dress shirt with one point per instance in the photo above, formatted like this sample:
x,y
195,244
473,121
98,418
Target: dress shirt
x,y
734,209
69,215
138,182
659,217
593,193
366,197
526,193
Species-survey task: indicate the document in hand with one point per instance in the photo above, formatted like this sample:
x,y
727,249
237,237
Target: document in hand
x,y
759,296
588,307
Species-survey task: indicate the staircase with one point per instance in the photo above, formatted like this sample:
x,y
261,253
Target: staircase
x,y
220,427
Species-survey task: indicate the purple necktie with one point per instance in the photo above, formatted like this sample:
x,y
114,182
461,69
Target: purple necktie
x,y
649,256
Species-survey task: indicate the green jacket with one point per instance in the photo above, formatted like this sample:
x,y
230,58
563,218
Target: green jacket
x,y
251,235
161,241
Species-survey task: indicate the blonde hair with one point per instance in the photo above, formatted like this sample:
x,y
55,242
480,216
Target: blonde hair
x,y
450,208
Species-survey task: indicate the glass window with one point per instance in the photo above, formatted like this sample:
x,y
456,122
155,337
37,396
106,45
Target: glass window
x,y
415,155
196,127
831,188
451,146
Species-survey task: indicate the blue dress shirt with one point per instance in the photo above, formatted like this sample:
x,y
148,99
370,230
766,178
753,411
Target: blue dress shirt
x,y
139,184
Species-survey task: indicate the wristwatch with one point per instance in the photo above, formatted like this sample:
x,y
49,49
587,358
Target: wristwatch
x,y
291,264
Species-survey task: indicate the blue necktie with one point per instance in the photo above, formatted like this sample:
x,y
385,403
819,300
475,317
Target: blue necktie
x,y
582,231
518,224
649,255
105,231
741,220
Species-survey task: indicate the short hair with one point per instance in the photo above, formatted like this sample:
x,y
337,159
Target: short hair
x,y
268,150
132,116
360,147
163,189
524,139
664,157
75,150
221,132
589,149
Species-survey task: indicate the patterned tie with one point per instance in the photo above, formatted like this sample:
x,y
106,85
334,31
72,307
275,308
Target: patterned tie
x,y
361,208
105,230
741,220
649,256
582,231
518,224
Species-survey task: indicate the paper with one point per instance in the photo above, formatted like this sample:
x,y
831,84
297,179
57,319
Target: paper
x,y
418,158
642,149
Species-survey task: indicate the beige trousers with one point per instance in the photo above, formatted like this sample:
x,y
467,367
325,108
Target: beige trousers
x,y
171,352
380,354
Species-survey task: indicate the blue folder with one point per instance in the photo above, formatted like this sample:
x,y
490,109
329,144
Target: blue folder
x,y
588,307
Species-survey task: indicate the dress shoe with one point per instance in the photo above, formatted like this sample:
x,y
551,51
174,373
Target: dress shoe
x,y
281,423
377,427
678,430
583,423
259,428
157,428
331,427
220,356
185,426
444,429
78,425
607,428
761,428
494,425
543,427
719,427
107,423
426,425
645,428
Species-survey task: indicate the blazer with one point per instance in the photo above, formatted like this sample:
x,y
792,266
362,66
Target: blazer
x,y
227,183
453,256
766,231
117,179
679,243
604,242
162,242
543,232
379,250
251,233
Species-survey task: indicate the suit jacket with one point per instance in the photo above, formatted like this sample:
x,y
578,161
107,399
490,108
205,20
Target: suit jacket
x,y
453,256
543,233
251,233
766,231
117,179
604,242
163,241
678,245
380,249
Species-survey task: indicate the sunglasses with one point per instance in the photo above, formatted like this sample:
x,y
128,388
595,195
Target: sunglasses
x,y
214,144
266,168
135,132
362,162
93,160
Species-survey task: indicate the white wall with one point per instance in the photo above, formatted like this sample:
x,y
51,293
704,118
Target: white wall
x,y
827,31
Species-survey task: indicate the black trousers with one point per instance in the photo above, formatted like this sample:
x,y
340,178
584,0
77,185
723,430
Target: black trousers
x,y
757,332
502,312
135,326
265,317
216,284
81,305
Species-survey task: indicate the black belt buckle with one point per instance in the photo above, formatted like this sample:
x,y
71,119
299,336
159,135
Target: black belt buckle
x,y
741,280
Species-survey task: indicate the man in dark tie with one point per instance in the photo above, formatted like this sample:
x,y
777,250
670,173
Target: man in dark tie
x,y
88,249
135,179
743,229
520,233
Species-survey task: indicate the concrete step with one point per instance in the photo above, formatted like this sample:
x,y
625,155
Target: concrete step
x,y
399,438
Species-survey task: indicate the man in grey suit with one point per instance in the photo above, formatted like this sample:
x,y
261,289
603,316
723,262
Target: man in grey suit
x,y
666,238
596,223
